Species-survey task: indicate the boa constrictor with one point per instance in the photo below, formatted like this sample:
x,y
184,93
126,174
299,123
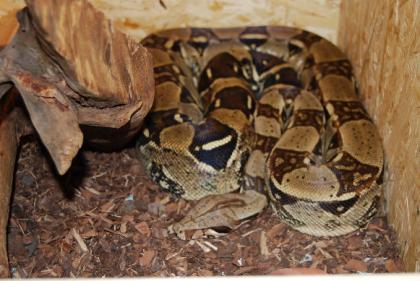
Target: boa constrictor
x,y
240,108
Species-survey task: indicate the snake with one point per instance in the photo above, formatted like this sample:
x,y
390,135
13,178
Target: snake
x,y
270,108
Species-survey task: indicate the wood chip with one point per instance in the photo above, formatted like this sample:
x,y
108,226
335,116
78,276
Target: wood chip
x,y
146,259
375,227
354,242
321,244
325,253
238,252
202,246
356,265
391,266
143,228
165,200
171,255
276,230
263,244
210,245
127,218
123,227
79,240
116,232
171,208
204,272
244,269
91,190
89,234
250,232
297,271
107,207
100,217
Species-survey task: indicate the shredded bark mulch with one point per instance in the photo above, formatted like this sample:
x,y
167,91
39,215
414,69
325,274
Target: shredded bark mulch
x,y
106,218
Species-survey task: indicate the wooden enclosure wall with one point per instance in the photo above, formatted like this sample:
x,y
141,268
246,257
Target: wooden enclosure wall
x,y
382,39
139,17
8,22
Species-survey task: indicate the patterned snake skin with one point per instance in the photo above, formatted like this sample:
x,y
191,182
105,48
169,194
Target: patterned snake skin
x,y
269,108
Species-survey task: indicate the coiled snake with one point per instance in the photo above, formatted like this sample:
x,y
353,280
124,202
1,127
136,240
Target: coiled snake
x,y
271,108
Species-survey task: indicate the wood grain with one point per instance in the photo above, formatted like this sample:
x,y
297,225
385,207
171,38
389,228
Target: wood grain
x,y
381,40
8,22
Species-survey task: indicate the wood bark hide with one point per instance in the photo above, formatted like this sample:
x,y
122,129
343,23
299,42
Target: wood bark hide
x,y
79,78
95,81
12,126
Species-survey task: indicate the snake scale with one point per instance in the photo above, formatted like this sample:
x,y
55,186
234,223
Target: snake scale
x,y
268,107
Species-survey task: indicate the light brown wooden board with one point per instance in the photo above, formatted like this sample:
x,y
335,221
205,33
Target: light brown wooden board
x,y
381,39
139,18
8,22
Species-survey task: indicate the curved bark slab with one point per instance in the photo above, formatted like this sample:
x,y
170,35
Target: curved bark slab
x,y
103,63
79,78
12,126
38,81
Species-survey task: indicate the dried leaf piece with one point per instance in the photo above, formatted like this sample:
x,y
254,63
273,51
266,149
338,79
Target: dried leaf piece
x,y
224,210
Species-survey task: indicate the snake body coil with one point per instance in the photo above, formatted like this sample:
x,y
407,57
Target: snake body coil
x,y
263,106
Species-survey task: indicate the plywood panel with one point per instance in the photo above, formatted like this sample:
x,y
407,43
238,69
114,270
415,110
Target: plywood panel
x,y
140,17
382,40
8,22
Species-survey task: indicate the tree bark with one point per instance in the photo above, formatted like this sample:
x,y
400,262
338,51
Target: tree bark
x,y
13,125
79,79
96,83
